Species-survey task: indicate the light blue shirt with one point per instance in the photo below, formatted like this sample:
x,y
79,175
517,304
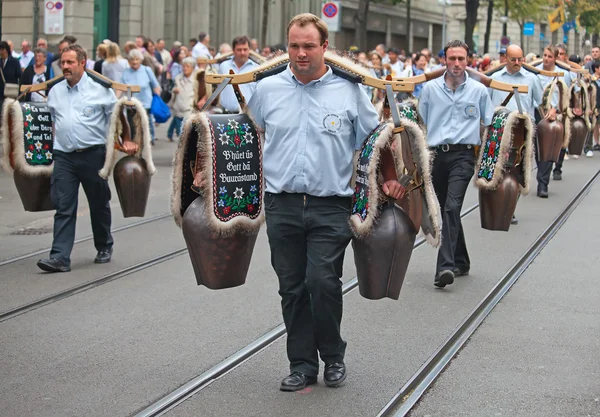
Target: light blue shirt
x,y
453,117
81,114
311,132
545,80
145,78
529,100
228,100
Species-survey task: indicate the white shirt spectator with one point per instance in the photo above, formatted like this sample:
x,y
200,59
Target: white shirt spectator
x,y
397,68
26,59
199,50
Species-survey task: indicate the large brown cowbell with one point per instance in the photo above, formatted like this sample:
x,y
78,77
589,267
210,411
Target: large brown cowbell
x,y
132,182
382,257
579,133
34,191
497,207
218,262
550,138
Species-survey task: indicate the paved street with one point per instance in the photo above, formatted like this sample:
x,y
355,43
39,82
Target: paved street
x,y
114,349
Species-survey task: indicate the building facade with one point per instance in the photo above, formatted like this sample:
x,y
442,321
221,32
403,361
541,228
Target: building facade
x,y
91,21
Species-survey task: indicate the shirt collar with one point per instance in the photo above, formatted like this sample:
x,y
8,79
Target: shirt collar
x,y
324,77
248,63
520,72
80,85
442,81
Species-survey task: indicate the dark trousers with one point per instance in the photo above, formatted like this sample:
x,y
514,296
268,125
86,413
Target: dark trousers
x,y
558,165
451,174
70,170
308,237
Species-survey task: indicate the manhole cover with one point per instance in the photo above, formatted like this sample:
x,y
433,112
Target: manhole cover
x,y
31,231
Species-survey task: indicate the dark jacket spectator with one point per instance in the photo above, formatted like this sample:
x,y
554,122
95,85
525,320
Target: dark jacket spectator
x,y
10,68
28,76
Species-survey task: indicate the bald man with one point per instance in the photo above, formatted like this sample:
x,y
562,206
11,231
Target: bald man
x,y
513,73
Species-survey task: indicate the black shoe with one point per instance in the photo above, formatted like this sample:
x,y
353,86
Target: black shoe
x,y
335,374
297,381
460,272
557,176
53,265
444,278
542,193
514,220
103,256
596,147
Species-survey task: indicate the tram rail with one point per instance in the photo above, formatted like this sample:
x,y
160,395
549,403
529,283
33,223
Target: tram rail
x,y
197,384
84,239
408,396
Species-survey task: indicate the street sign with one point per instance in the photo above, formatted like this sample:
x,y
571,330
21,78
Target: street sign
x,y
330,13
529,29
505,41
54,17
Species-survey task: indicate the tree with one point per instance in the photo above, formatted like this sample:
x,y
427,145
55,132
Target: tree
x,y
360,20
488,26
472,7
524,11
265,23
588,12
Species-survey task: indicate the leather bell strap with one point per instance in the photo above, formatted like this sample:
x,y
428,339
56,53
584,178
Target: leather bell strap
x,y
216,93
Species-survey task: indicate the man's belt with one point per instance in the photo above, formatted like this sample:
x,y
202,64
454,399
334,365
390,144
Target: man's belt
x,y
89,148
446,147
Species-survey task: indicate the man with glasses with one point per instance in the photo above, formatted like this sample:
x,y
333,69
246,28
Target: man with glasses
x,y
513,73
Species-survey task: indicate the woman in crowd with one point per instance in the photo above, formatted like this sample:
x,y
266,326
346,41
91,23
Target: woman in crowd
x,y
419,68
114,65
101,53
182,101
37,73
138,74
176,67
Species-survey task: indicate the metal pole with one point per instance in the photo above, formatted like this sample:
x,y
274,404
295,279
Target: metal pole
x,y
504,25
36,21
444,27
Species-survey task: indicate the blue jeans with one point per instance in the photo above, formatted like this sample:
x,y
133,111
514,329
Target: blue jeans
x,y
175,126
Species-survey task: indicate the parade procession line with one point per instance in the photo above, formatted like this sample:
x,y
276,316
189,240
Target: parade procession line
x,y
389,340
114,350
133,340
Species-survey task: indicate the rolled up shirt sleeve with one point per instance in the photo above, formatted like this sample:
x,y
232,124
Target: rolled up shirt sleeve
x,y
254,106
486,108
366,117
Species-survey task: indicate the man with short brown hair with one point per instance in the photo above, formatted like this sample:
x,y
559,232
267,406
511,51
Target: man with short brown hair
x,y
453,107
240,63
314,121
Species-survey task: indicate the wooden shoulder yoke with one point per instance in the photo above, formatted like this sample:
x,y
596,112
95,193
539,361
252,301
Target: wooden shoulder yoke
x,y
338,66
495,84
528,67
101,79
